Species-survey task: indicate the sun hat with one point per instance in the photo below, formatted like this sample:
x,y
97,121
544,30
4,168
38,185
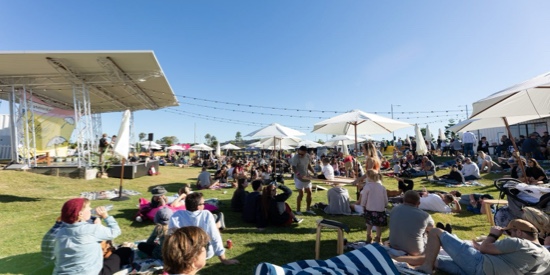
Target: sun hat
x,y
163,216
522,225
158,191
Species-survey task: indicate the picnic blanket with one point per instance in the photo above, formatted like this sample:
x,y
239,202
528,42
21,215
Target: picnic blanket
x,y
448,184
370,259
107,194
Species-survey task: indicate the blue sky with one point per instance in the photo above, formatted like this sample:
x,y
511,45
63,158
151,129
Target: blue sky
x,y
312,55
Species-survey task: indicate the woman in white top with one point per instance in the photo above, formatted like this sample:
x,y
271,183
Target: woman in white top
x,y
484,161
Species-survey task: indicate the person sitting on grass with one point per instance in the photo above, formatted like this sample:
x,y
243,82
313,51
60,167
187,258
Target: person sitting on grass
x,y
520,253
338,201
78,243
327,171
239,196
205,181
184,252
152,247
470,171
195,215
484,161
273,207
182,194
535,173
409,224
454,176
251,208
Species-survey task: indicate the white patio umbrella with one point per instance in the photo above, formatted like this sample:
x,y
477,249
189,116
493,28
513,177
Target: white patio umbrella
x,y
230,146
442,134
218,150
175,147
357,122
150,145
343,140
428,136
421,148
275,130
490,122
309,144
201,147
122,148
279,141
279,147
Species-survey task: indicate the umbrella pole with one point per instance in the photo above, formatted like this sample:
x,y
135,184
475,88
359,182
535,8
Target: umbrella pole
x,y
356,154
120,197
520,163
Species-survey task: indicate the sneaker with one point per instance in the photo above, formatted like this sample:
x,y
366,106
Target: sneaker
x,y
298,213
449,228
299,220
440,225
311,212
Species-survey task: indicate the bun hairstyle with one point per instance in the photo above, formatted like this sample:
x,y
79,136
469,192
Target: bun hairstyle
x,y
70,212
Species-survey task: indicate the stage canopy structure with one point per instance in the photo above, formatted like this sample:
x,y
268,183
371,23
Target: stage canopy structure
x,y
75,87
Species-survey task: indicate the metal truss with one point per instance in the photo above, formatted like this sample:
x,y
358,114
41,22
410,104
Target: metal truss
x,y
97,132
76,79
117,74
84,125
23,135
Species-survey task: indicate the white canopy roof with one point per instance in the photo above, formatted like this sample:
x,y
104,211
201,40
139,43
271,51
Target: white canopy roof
x,y
117,80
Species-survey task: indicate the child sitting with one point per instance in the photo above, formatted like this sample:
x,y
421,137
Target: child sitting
x,y
151,247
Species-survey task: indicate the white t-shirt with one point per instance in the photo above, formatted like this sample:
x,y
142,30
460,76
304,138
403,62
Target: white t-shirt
x,y
396,168
328,171
434,202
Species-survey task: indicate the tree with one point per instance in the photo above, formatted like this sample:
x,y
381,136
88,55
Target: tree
x,y
447,132
238,138
142,135
320,141
207,138
213,141
170,140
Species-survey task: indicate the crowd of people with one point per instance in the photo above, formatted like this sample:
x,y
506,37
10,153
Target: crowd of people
x,y
185,239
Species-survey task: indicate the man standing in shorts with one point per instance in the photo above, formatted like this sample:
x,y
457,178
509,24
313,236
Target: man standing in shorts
x,y
300,166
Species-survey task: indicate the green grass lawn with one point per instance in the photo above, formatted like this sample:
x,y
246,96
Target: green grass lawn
x,y
30,203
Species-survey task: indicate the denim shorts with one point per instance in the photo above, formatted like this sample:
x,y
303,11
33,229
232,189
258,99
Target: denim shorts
x,y
463,258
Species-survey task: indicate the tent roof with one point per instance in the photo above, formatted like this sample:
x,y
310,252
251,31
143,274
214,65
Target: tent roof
x,y
117,80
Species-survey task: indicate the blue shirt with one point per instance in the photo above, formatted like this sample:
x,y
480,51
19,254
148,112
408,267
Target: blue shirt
x,y
78,249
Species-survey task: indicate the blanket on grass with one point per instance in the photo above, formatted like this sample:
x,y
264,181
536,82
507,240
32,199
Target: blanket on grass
x,y
370,259
107,194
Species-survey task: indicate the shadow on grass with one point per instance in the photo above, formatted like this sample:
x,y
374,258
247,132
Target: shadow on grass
x,y
11,198
30,263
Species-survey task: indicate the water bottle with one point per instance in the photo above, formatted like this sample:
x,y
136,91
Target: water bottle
x,y
107,207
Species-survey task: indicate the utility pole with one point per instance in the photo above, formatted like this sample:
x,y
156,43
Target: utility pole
x,y
392,133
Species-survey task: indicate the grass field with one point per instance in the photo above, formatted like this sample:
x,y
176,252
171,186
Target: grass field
x,y
29,204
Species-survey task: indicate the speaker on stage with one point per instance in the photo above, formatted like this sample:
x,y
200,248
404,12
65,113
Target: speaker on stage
x,y
150,137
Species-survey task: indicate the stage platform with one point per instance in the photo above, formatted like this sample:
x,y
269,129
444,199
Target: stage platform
x,y
71,170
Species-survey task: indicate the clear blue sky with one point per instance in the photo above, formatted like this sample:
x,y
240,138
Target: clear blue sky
x,y
323,55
